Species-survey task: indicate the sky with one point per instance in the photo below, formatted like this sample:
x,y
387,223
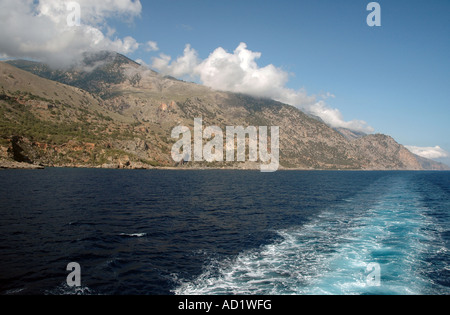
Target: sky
x,y
318,55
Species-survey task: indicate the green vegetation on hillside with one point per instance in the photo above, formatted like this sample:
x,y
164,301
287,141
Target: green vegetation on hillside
x,y
19,119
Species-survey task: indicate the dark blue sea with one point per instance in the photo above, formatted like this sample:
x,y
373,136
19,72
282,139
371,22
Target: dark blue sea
x,y
224,232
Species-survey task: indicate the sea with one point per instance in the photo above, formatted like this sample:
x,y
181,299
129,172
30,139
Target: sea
x,y
224,232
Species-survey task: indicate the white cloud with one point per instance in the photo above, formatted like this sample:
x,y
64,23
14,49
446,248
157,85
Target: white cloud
x,y
151,46
39,29
240,72
125,46
184,65
429,152
93,12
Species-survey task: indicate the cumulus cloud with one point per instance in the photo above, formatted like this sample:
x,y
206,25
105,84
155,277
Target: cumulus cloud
x,y
151,46
93,12
40,29
429,152
240,72
183,66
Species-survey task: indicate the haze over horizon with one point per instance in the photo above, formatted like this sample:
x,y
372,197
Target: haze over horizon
x,y
320,56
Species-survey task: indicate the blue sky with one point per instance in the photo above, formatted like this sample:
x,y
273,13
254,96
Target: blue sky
x,y
395,77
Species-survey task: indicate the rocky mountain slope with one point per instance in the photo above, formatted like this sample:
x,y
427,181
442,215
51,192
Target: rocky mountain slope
x,y
111,112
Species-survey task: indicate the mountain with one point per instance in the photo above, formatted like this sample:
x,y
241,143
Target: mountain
x,y
94,74
428,164
111,112
350,134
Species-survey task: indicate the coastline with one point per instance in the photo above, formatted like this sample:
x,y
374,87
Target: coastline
x,y
13,165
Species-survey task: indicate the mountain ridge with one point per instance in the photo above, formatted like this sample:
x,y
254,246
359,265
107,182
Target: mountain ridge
x,y
125,113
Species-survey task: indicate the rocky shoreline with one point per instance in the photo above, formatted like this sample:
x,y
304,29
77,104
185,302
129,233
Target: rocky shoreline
x,y
13,165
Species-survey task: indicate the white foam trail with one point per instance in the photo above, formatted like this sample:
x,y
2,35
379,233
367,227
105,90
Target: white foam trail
x,y
14,291
134,235
280,268
330,254
64,289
